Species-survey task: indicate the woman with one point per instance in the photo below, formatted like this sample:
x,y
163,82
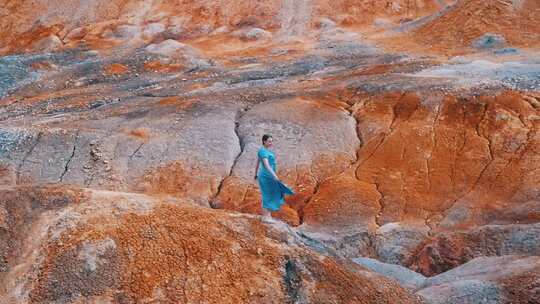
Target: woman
x,y
272,189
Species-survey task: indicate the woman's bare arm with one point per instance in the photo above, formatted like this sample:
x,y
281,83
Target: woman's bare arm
x,y
256,168
267,166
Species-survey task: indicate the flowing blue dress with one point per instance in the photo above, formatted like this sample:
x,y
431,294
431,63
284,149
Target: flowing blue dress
x,y
272,190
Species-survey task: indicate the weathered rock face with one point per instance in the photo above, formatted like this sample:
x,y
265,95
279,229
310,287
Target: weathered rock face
x,y
138,155
309,151
88,246
404,276
507,279
404,173
20,209
460,27
449,250
146,114
476,131
94,22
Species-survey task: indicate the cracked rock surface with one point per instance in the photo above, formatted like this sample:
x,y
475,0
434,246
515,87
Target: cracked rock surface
x,y
89,245
129,132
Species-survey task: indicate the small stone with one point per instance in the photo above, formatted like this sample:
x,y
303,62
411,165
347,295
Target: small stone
x,y
254,34
325,23
153,29
47,44
3,218
489,41
127,31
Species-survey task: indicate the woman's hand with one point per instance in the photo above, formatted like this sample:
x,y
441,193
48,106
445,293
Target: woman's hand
x,y
255,176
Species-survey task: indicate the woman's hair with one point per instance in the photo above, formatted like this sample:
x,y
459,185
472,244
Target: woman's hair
x,y
266,137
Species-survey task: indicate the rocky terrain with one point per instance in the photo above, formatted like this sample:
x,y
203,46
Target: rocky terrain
x,y
408,129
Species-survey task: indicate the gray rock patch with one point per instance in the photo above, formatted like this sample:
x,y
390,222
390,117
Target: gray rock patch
x,y
402,275
463,292
489,41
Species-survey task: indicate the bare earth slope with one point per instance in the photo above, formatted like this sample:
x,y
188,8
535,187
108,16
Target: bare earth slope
x,y
123,124
469,20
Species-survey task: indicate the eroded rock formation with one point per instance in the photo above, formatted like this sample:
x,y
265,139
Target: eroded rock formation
x,y
73,245
123,124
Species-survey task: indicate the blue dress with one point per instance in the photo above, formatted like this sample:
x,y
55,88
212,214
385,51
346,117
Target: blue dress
x,y
272,191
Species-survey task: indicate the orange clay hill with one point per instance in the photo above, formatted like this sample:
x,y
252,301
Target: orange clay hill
x,y
409,131
516,21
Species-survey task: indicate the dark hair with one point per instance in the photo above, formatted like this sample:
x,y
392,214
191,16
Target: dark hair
x,y
266,137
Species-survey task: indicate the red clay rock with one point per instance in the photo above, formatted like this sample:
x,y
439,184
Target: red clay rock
x,y
341,201
306,150
125,247
418,180
393,156
19,209
47,44
116,69
449,250
137,20
506,279
404,171
455,30
157,163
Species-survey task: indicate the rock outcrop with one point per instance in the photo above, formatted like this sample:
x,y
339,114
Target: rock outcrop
x,y
470,20
506,279
97,246
123,124
102,23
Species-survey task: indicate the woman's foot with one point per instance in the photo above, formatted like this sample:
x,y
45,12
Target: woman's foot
x,y
267,219
267,216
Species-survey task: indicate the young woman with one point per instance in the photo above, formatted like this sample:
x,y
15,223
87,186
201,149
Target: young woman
x,y
272,189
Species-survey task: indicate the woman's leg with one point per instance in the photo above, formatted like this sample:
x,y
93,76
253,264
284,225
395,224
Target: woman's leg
x,y
266,215
263,186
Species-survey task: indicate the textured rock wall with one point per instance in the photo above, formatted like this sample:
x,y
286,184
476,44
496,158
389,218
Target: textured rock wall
x,y
36,25
125,248
145,114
